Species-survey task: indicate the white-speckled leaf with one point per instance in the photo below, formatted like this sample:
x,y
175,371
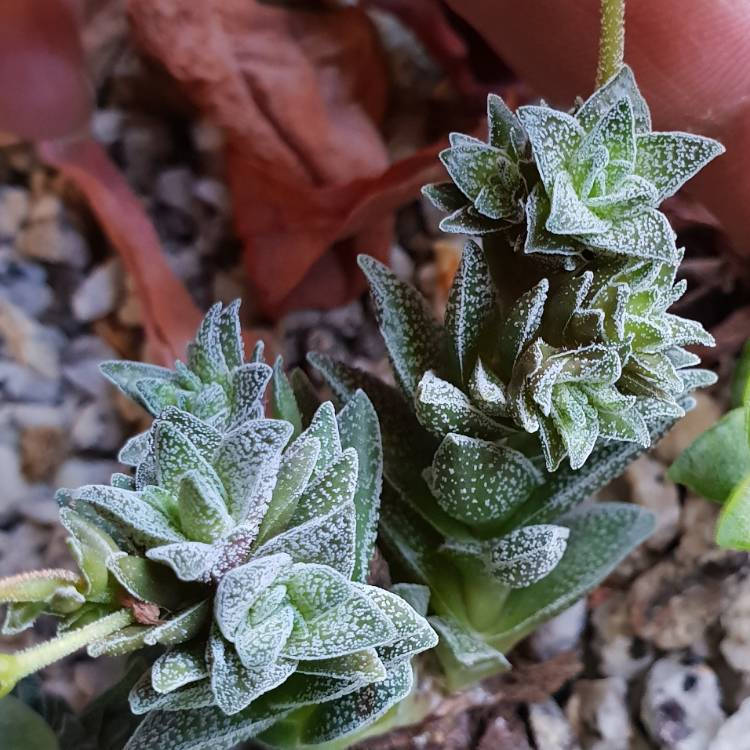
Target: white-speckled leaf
x,y
190,561
178,667
144,523
202,511
442,408
283,402
235,686
526,555
479,482
260,644
356,710
296,468
415,595
144,699
324,428
504,129
122,642
332,488
568,213
620,85
248,385
600,537
247,463
522,322
644,235
414,339
126,375
361,666
340,618
240,587
668,160
468,648
328,539
180,628
555,136
360,430
471,305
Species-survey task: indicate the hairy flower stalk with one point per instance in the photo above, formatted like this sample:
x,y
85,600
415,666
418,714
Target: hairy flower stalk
x,y
240,545
557,363
14,667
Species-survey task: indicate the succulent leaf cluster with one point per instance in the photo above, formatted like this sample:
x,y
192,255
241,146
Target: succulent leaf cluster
x,y
241,546
557,343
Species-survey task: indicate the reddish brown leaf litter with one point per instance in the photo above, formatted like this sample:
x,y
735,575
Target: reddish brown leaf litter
x,y
300,96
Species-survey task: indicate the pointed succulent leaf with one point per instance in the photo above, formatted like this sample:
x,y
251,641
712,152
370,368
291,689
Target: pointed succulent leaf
x,y
126,375
328,539
190,561
128,511
471,305
324,428
622,85
235,686
361,666
522,323
90,547
181,627
239,588
248,384
350,622
260,643
122,642
479,482
332,488
247,463
144,699
296,468
414,340
360,430
644,235
668,160
415,595
203,512
467,648
600,537
342,717
442,408
196,729
504,129
178,667
283,401
554,138
528,554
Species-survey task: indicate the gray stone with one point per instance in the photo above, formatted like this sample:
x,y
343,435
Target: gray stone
x,y
15,488
99,293
81,365
347,321
107,126
23,284
28,342
213,193
598,711
53,241
561,633
650,488
734,733
76,472
401,264
20,383
550,728
14,208
735,620
97,427
681,704
620,652
174,188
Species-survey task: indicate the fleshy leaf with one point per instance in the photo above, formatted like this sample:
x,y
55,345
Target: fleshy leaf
x,y
528,554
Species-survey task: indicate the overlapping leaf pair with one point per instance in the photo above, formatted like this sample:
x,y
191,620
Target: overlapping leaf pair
x,y
241,545
557,343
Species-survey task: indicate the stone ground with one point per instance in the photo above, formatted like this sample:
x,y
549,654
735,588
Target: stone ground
x,y
658,657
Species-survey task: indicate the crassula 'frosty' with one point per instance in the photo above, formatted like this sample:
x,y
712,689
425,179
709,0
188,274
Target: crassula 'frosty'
x,y
557,363
242,550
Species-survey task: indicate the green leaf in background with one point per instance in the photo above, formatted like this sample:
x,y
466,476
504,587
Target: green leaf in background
x,y
733,527
21,728
741,379
717,461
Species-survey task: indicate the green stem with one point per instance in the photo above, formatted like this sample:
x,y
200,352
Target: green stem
x,y
14,667
611,41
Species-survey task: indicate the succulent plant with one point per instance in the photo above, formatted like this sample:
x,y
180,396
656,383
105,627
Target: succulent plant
x,y
557,343
244,554
572,185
